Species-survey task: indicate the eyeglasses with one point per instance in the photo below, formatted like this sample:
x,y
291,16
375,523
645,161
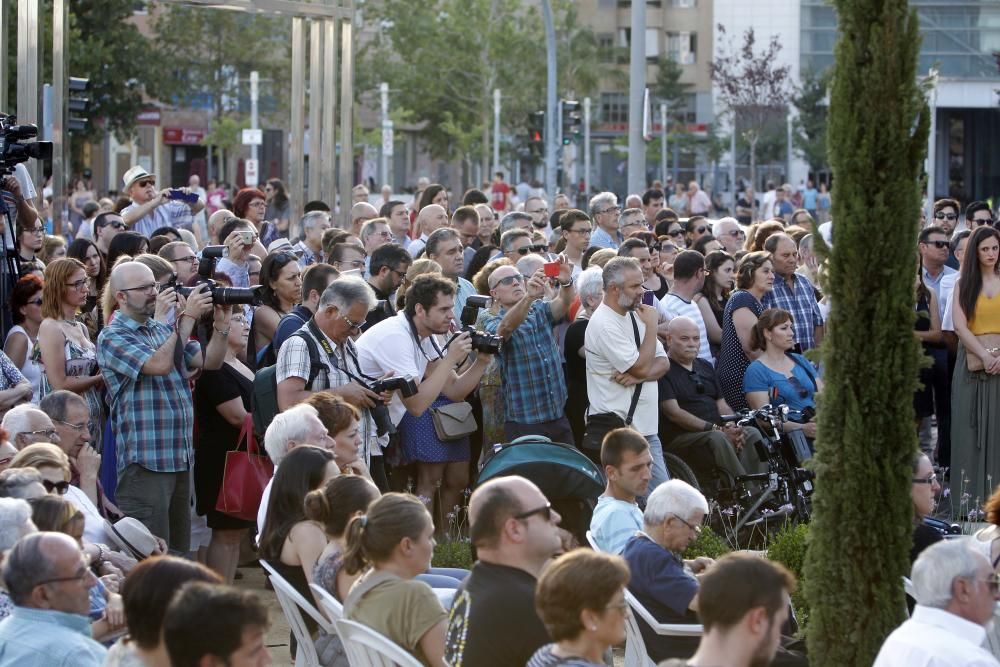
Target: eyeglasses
x,y
191,259
35,302
258,204
47,432
701,229
993,582
925,480
59,487
35,230
545,511
151,288
699,386
736,234
937,244
946,216
355,326
77,427
612,209
656,247
584,231
676,233
401,274
146,182
509,280
353,263
82,574
78,285
690,525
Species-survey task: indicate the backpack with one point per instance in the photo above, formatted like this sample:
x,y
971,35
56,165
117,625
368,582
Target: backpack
x,y
265,386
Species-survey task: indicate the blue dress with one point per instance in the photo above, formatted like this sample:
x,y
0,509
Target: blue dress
x,y
733,361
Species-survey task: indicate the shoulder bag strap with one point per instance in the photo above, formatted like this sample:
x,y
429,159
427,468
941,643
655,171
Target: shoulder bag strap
x,y
638,386
807,367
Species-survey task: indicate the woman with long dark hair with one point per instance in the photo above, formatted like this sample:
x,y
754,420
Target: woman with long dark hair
x,y
281,277
26,311
132,244
87,252
719,284
975,395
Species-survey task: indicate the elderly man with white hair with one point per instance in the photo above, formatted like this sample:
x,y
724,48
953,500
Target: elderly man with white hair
x,y
298,425
26,425
956,590
729,233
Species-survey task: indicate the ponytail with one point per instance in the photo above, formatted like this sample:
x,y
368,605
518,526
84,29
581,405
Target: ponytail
x,y
354,554
373,538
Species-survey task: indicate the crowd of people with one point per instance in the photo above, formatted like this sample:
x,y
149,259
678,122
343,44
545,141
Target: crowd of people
x,y
379,356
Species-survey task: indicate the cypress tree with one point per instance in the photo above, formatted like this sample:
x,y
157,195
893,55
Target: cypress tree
x,y
862,523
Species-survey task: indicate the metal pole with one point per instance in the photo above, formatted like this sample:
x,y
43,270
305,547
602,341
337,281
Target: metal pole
x,y
496,129
550,102
327,168
383,172
636,96
732,166
254,121
60,21
346,119
4,48
586,152
27,72
315,107
296,185
788,149
932,147
663,143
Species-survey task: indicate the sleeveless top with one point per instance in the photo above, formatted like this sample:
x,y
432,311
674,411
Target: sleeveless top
x,y
80,362
987,316
31,369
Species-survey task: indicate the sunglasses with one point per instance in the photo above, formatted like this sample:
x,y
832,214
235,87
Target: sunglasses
x,y
736,234
701,229
676,233
946,216
979,222
59,487
797,386
545,511
699,386
509,280
146,182
531,248
937,244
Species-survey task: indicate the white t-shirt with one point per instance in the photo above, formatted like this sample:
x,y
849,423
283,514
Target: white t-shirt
x,y
946,292
767,205
390,346
611,349
93,522
262,510
671,306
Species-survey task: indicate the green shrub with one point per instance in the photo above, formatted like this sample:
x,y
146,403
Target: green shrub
x,y
453,554
788,547
708,543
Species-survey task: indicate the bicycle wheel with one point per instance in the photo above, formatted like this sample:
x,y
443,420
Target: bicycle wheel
x,y
680,470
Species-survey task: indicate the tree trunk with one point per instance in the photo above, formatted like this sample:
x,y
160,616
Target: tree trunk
x,y
752,139
860,532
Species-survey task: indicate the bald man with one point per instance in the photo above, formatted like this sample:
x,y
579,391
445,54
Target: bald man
x,y
215,223
361,213
147,367
692,403
431,218
493,622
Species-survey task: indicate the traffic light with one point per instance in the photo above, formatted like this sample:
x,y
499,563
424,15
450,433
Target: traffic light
x,y
77,104
536,133
572,121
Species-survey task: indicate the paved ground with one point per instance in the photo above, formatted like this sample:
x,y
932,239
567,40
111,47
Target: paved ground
x,y
277,636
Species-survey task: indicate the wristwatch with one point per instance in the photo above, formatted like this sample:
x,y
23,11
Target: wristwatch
x,y
569,284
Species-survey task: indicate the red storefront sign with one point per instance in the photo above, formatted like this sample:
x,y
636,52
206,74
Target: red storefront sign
x,y
183,136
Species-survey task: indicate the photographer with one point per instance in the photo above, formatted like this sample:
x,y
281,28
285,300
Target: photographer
x,y
534,385
342,308
18,191
389,264
404,345
151,208
147,367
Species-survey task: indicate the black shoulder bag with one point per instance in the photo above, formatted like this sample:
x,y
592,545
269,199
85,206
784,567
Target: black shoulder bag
x,y
600,425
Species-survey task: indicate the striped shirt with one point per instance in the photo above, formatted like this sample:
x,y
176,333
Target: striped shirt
x,y
173,213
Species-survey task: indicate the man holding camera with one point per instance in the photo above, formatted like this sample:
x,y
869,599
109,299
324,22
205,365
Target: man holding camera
x,y
147,367
151,208
325,342
534,386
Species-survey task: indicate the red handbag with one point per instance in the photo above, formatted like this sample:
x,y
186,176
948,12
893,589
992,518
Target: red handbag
x,y
246,474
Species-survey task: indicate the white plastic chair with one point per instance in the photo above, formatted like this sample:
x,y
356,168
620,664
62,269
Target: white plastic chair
x,y
330,605
592,542
367,648
910,589
293,604
635,646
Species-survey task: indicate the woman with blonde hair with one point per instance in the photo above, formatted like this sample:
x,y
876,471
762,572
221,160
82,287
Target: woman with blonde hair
x,y
53,247
418,268
67,355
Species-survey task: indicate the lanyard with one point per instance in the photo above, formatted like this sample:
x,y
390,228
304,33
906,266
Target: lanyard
x,y
332,355
416,339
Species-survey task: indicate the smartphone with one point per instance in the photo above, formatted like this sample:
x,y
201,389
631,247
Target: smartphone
x,y
648,297
246,237
552,269
176,193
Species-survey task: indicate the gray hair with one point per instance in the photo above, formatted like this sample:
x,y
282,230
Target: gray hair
x,y
528,264
28,564
616,268
590,284
937,567
56,404
368,228
721,222
14,482
509,221
346,291
602,199
806,243
312,218
15,522
18,419
673,497
437,237
507,238
292,424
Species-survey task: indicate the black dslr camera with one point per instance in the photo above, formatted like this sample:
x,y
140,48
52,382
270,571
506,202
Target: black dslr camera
x,y
481,340
13,150
221,295
380,413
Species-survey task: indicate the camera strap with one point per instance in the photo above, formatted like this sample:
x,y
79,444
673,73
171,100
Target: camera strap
x,y
416,339
332,355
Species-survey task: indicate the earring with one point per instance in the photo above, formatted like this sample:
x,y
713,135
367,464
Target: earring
x,y
593,628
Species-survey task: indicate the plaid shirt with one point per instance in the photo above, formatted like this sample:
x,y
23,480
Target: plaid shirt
x,y
531,367
152,415
800,301
173,213
293,361
305,253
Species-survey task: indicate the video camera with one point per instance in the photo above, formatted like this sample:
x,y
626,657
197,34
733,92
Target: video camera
x,y
482,341
380,413
13,150
221,295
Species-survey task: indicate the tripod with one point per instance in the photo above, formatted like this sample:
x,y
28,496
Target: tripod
x,y
10,271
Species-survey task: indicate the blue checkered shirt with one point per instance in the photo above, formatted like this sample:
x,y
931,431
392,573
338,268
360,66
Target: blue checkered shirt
x,y
602,239
152,415
534,387
800,301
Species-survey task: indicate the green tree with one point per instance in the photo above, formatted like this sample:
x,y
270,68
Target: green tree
x,y
866,440
809,126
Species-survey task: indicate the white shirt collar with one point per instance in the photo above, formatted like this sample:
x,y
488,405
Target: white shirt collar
x,y
971,632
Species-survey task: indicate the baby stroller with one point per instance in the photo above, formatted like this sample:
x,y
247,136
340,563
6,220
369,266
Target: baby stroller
x,y
570,480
